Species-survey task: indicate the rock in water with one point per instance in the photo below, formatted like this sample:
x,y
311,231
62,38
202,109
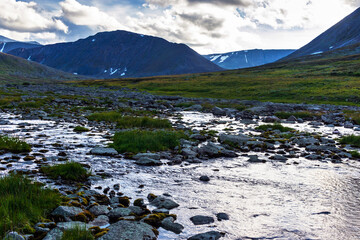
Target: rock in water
x,y
213,235
129,230
104,151
201,220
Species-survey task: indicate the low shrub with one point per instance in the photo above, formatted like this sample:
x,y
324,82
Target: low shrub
x,y
81,129
301,114
143,122
72,171
23,203
13,144
141,141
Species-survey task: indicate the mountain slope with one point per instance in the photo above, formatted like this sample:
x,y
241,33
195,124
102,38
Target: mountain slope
x,y
344,33
247,58
7,44
15,69
119,54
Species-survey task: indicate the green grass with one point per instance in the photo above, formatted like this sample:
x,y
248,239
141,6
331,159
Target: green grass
x,y
142,122
81,129
273,127
14,145
111,116
185,104
311,81
355,154
141,141
23,203
72,171
77,233
352,140
353,115
301,114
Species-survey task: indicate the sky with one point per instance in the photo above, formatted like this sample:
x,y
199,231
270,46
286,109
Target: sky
x,y
207,26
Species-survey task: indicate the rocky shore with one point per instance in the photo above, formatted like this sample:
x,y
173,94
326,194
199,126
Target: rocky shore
x,y
107,212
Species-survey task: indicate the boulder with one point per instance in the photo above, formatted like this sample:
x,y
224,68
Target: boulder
x,y
212,235
218,111
54,234
240,139
147,155
104,151
204,179
168,224
65,211
201,220
119,212
99,210
162,202
222,216
71,225
13,236
129,230
145,161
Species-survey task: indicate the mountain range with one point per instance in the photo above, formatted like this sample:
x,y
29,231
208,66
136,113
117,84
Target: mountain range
x,y
119,54
247,58
344,33
7,44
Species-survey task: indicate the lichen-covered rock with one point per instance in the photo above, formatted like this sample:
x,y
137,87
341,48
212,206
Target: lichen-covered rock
x,y
65,211
123,230
99,210
163,202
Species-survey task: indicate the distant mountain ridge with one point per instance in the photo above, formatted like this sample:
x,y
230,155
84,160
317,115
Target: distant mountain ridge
x,y
119,54
344,33
247,58
7,44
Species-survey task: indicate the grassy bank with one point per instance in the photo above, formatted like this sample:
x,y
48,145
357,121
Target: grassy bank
x,y
334,80
141,141
23,203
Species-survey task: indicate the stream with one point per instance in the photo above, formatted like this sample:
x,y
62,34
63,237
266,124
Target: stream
x,y
300,199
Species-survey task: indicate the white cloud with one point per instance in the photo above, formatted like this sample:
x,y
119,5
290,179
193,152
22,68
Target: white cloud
x,y
90,16
21,16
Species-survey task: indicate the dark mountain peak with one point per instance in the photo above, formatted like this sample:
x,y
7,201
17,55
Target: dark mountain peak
x,y
344,33
120,54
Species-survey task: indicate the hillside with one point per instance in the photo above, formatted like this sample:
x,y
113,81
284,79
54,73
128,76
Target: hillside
x,y
344,33
14,69
120,54
247,58
331,79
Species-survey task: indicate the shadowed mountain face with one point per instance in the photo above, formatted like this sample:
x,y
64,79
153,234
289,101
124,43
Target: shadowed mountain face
x,y
247,58
14,69
120,54
344,33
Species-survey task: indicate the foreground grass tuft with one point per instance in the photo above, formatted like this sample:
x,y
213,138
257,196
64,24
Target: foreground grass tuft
x,y
141,141
105,116
72,171
77,233
355,154
23,203
273,127
352,140
14,145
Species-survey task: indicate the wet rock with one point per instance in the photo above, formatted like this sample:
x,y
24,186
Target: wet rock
x,y
162,202
116,187
212,235
218,111
101,221
154,156
204,179
279,158
348,125
201,220
145,161
99,210
240,139
292,119
222,216
161,210
13,236
119,212
169,224
129,230
213,150
104,151
65,211
188,153
271,119
255,159
314,157
198,136
305,141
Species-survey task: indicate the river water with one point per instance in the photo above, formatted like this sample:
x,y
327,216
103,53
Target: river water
x,y
273,200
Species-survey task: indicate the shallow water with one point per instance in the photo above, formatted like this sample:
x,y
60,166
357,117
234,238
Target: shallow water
x,y
311,200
